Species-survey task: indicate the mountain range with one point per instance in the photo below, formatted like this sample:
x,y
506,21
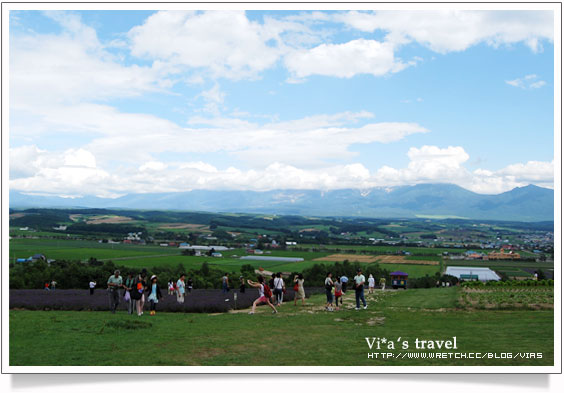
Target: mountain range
x,y
530,203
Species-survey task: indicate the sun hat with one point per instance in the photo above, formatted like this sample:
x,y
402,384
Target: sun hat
x,y
153,276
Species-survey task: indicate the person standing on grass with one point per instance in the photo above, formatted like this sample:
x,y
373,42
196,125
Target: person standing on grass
x,y
299,289
371,283
225,283
46,287
264,294
170,286
242,285
53,285
115,282
92,285
338,292
383,283
359,281
344,281
279,288
189,285
127,294
138,292
154,294
328,292
180,289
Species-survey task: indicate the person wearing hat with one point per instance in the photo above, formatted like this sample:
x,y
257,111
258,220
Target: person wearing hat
x,y
359,281
115,282
154,294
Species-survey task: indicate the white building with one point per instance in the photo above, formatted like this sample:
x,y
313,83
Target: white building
x,y
472,273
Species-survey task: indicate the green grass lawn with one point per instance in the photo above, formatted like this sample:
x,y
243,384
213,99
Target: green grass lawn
x,y
414,271
295,336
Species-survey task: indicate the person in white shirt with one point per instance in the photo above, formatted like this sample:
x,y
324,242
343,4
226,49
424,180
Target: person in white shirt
x,y
371,283
262,297
279,287
92,285
359,281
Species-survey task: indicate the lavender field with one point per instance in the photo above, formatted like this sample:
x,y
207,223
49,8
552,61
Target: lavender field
x,y
198,301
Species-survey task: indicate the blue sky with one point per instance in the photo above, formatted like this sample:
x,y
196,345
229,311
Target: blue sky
x,y
113,102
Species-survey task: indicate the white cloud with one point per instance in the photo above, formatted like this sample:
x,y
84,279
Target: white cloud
x,y
71,67
225,43
49,173
446,31
345,60
527,82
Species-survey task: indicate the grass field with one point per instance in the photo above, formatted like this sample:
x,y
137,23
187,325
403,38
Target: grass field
x,y
413,271
295,336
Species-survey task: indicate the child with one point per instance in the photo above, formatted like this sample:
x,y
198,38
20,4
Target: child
x,y
263,298
155,294
338,292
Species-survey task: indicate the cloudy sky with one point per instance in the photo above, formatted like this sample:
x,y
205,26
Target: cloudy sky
x,y
107,103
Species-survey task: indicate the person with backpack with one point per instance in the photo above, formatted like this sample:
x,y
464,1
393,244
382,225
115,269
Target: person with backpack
x,y
279,288
328,292
264,294
299,289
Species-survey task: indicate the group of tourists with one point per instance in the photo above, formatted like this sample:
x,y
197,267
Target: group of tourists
x,y
139,290
335,288
50,287
180,287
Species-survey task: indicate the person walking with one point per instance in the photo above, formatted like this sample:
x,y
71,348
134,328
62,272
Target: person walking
x,y
279,288
328,292
154,294
264,294
46,287
299,289
115,282
53,284
359,281
383,283
92,286
371,283
180,289
127,293
338,292
344,281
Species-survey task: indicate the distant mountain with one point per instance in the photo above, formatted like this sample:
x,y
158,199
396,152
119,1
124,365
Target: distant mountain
x,y
530,203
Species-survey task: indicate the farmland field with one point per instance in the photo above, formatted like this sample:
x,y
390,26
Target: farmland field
x,y
100,338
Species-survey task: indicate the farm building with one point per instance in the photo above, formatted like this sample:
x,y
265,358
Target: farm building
x,y
472,273
277,259
207,248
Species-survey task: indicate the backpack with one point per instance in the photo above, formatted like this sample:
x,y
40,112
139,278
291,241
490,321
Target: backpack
x,y
267,291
